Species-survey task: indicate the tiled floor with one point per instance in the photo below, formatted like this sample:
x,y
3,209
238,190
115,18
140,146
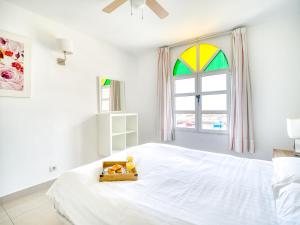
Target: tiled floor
x,y
33,209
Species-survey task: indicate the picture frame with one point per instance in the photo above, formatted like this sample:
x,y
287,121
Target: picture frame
x,y
15,58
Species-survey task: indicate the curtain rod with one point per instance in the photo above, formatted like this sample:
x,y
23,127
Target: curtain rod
x,y
197,39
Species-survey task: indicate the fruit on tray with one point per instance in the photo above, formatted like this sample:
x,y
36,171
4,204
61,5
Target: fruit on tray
x,y
111,171
115,169
120,169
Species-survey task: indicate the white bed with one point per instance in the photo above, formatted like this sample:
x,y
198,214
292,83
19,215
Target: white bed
x,y
176,186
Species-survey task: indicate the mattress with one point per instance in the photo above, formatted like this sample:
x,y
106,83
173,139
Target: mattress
x,y
176,186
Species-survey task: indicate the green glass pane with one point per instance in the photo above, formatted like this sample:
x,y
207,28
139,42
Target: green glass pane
x,y
218,63
181,69
107,82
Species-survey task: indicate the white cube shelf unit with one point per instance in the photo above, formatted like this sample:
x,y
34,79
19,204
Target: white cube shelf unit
x,y
116,132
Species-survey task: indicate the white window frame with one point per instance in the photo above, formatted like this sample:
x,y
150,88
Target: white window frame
x,y
198,107
182,77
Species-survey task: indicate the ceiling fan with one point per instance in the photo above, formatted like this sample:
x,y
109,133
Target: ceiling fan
x,y
152,4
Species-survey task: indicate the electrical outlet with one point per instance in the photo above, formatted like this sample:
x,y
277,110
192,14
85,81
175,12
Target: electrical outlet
x,y
52,169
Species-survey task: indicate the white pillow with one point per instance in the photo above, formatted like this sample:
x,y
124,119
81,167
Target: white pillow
x,y
286,171
288,205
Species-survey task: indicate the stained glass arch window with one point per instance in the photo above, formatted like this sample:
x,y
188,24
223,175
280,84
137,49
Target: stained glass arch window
x,y
200,58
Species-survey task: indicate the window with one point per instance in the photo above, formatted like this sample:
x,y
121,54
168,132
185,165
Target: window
x,y
201,89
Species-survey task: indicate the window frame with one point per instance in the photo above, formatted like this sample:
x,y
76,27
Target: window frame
x,y
228,100
198,91
174,95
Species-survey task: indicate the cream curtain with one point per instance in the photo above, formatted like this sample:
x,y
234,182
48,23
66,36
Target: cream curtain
x,y
241,121
164,85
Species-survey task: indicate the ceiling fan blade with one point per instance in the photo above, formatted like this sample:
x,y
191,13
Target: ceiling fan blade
x,y
157,8
114,5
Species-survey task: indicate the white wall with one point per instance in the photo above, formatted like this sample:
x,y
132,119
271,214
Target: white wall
x,y
274,45
56,126
142,91
274,60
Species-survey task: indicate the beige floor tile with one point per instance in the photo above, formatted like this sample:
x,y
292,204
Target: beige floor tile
x,y
4,219
2,212
44,215
6,222
22,205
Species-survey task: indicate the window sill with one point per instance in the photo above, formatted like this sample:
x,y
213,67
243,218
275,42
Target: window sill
x,y
187,130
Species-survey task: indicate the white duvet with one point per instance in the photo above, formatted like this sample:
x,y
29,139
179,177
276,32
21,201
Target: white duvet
x,y
176,186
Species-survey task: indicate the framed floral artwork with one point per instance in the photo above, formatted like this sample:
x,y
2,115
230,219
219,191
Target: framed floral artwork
x,y
14,65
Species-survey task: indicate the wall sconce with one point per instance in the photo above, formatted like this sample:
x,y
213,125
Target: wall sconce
x,y
66,46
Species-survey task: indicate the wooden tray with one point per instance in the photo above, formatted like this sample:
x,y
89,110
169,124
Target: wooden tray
x,y
118,177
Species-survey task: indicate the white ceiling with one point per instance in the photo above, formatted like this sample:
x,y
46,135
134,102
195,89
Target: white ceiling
x,y
187,19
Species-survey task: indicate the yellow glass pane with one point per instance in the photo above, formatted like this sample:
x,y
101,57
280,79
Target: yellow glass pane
x,y
190,57
207,51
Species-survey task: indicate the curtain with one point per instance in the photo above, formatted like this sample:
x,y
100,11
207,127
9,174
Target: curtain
x,y
115,95
241,119
164,85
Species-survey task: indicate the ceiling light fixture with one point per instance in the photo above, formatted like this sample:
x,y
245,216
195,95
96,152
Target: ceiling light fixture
x,y
139,4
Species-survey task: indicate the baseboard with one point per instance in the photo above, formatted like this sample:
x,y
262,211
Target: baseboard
x,y
27,191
